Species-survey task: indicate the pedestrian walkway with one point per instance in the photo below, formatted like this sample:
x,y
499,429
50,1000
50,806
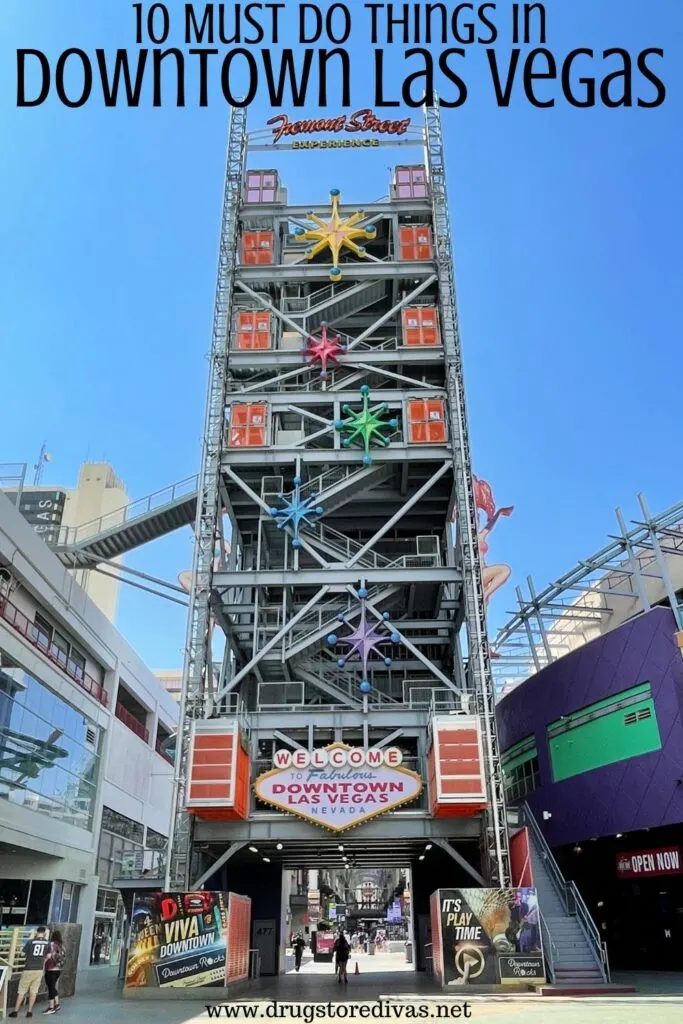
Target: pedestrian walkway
x,y
99,1001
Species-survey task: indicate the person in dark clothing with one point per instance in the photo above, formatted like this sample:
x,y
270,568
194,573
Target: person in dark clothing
x,y
53,968
342,951
299,947
35,951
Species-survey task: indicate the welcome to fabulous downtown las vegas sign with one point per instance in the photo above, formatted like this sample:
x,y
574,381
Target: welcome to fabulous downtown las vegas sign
x,y
338,786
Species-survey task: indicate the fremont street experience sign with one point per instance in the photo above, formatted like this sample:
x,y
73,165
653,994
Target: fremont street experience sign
x,y
338,786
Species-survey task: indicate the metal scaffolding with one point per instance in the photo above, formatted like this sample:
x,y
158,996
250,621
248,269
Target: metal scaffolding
x,y
344,593
642,566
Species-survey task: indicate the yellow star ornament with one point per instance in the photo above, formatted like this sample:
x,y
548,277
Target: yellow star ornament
x,y
335,235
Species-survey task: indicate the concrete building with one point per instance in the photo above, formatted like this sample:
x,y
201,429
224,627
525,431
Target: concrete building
x,y
85,789
59,514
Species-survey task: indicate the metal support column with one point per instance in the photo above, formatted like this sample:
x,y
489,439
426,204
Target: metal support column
x,y
479,665
197,653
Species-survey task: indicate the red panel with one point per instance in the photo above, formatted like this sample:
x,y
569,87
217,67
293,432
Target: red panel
x,y
454,787
520,859
213,741
437,938
238,939
210,791
426,421
415,242
458,736
212,757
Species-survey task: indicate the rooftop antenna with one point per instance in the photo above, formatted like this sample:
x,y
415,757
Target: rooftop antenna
x,y
42,459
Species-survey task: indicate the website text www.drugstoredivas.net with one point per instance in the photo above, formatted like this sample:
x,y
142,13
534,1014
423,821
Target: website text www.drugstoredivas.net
x,y
310,1012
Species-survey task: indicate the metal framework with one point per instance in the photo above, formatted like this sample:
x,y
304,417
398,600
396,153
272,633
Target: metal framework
x,y
345,591
641,567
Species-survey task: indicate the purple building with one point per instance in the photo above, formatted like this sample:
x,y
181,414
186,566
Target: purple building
x,y
594,743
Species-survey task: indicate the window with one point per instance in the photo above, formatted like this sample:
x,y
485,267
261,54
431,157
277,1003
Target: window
x,y
65,898
521,780
107,900
43,630
120,825
49,751
520,769
155,840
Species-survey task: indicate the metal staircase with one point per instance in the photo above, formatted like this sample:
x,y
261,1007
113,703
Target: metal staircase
x,y
576,955
332,303
124,529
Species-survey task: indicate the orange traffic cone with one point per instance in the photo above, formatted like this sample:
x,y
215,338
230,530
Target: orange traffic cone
x,y
356,970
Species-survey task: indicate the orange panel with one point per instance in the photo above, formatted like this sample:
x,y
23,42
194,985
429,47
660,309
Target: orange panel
x,y
421,326
210,773
214,741
415,242
210,791
454,749
205,757
247,425
426,421
453,787
253,330
257,247
451,769
458,736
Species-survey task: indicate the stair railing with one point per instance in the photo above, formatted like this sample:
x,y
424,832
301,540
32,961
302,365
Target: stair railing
x,y
550,951
568,893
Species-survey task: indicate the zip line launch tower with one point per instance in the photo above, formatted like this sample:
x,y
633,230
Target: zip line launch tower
x,y
347,611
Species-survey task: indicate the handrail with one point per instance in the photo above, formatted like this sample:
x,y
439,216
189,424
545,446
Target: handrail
x,y
185,488
568,892
15,618
549,948
131,722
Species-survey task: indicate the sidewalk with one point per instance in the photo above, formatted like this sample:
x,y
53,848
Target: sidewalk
x,y
98,1001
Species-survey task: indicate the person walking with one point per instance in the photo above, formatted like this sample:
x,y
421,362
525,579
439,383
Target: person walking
x,y
54,965
35,951
299,947
341,950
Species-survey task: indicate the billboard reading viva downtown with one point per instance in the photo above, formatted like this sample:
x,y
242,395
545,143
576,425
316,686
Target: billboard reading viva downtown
x,y
338,786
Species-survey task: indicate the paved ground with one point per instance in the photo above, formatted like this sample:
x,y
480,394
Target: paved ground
x,y
98,1000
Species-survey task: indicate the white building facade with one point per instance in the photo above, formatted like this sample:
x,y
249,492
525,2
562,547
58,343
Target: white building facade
x,y
85,784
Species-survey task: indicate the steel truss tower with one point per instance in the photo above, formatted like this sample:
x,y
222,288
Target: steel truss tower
x,y
336,447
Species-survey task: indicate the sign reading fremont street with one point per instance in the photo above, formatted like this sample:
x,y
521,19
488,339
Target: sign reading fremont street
x,y
362,121
662,861
338,786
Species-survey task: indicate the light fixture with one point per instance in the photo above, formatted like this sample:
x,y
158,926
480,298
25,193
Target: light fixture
x,y
618,835
428,846
253,849
577,849
421,857
600,904
547,815
340,847
267,860
279,846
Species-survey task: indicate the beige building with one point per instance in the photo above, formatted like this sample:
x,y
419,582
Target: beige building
x,y
171,679
95,504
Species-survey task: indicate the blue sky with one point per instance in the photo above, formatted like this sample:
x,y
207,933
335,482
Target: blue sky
x,y
567,236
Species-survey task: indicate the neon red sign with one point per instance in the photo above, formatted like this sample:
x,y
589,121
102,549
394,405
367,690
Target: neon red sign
x,y
362,121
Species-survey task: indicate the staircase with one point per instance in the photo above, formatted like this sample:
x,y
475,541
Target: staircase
x,y
332,303
126,528
575,954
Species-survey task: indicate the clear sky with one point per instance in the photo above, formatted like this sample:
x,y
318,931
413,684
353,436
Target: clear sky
x,y
567,226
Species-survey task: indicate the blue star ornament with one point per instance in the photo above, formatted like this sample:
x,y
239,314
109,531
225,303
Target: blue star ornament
x,y
296,512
